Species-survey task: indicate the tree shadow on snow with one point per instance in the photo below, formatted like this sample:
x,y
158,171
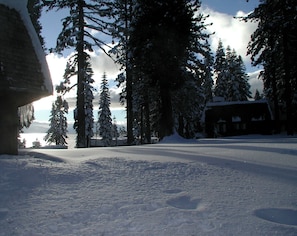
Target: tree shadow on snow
x,y
281,173
41,156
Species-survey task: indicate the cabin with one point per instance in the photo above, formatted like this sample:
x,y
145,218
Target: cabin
x,y
24,74
237,118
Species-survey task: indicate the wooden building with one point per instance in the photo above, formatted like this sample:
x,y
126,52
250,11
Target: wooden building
x,y
237,118
24,74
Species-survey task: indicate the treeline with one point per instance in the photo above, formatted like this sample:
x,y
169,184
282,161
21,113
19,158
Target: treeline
x,y
167,65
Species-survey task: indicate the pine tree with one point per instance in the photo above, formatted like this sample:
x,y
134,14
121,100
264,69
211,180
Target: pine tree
x,y
207,83
123,14
115,131
104,114
231,76
273,45
220,70
188,103
83,17
89,119
232,81
57,132
244,85
164,50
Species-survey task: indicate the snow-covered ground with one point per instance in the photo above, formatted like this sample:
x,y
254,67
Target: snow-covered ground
x,y
232,186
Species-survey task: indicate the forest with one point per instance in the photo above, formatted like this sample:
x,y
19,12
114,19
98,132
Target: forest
x,y
168,71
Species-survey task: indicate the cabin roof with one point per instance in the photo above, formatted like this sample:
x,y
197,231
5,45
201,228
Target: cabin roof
x,y
225,103
24,74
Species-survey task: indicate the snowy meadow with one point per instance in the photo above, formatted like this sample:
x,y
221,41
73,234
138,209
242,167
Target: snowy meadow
x,y
228,186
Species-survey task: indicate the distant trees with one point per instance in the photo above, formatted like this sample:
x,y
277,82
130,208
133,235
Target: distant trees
x,y
231,79
105,125
57,132
273,45
84,16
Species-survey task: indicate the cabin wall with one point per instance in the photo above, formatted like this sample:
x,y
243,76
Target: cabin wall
x,y
8,127
238,119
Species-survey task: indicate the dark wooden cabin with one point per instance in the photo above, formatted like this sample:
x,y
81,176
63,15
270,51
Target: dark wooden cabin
x,y
24,75
237,118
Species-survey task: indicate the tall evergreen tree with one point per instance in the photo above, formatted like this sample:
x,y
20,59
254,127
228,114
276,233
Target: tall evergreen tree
x,y
232,81
164,49
243,80
57,132
220,69
208,83
273,45
104,114
89,102
238,87
83,17
121,30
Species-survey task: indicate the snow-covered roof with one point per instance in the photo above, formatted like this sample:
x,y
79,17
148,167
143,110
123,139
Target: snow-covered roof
x,y
226,103
21,7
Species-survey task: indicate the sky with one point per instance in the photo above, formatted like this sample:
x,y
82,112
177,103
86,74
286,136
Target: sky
x,y
221,13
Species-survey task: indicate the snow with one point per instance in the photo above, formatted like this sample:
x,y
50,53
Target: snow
x,y
21,7
243,185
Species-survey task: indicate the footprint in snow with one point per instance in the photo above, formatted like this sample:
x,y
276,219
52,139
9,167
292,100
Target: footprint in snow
x,y
184,202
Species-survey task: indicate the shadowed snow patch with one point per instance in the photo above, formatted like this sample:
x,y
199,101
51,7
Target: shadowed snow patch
x,y
184,202
3,213
277,215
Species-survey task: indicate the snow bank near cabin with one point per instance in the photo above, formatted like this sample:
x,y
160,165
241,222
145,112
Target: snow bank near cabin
x,y
176,138
21,7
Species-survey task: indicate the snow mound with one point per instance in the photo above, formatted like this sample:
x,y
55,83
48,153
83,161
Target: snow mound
x,y
176,138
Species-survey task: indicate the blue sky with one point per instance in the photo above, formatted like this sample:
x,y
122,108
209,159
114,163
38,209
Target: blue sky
x,y
222,12
231,6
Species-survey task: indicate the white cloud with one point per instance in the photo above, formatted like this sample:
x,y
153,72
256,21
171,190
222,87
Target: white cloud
x,y
100,63
231,31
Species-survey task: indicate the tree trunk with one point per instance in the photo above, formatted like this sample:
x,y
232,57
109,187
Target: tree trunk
x,y
130,136
147,123
81,126
275,104
166,116
288,90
